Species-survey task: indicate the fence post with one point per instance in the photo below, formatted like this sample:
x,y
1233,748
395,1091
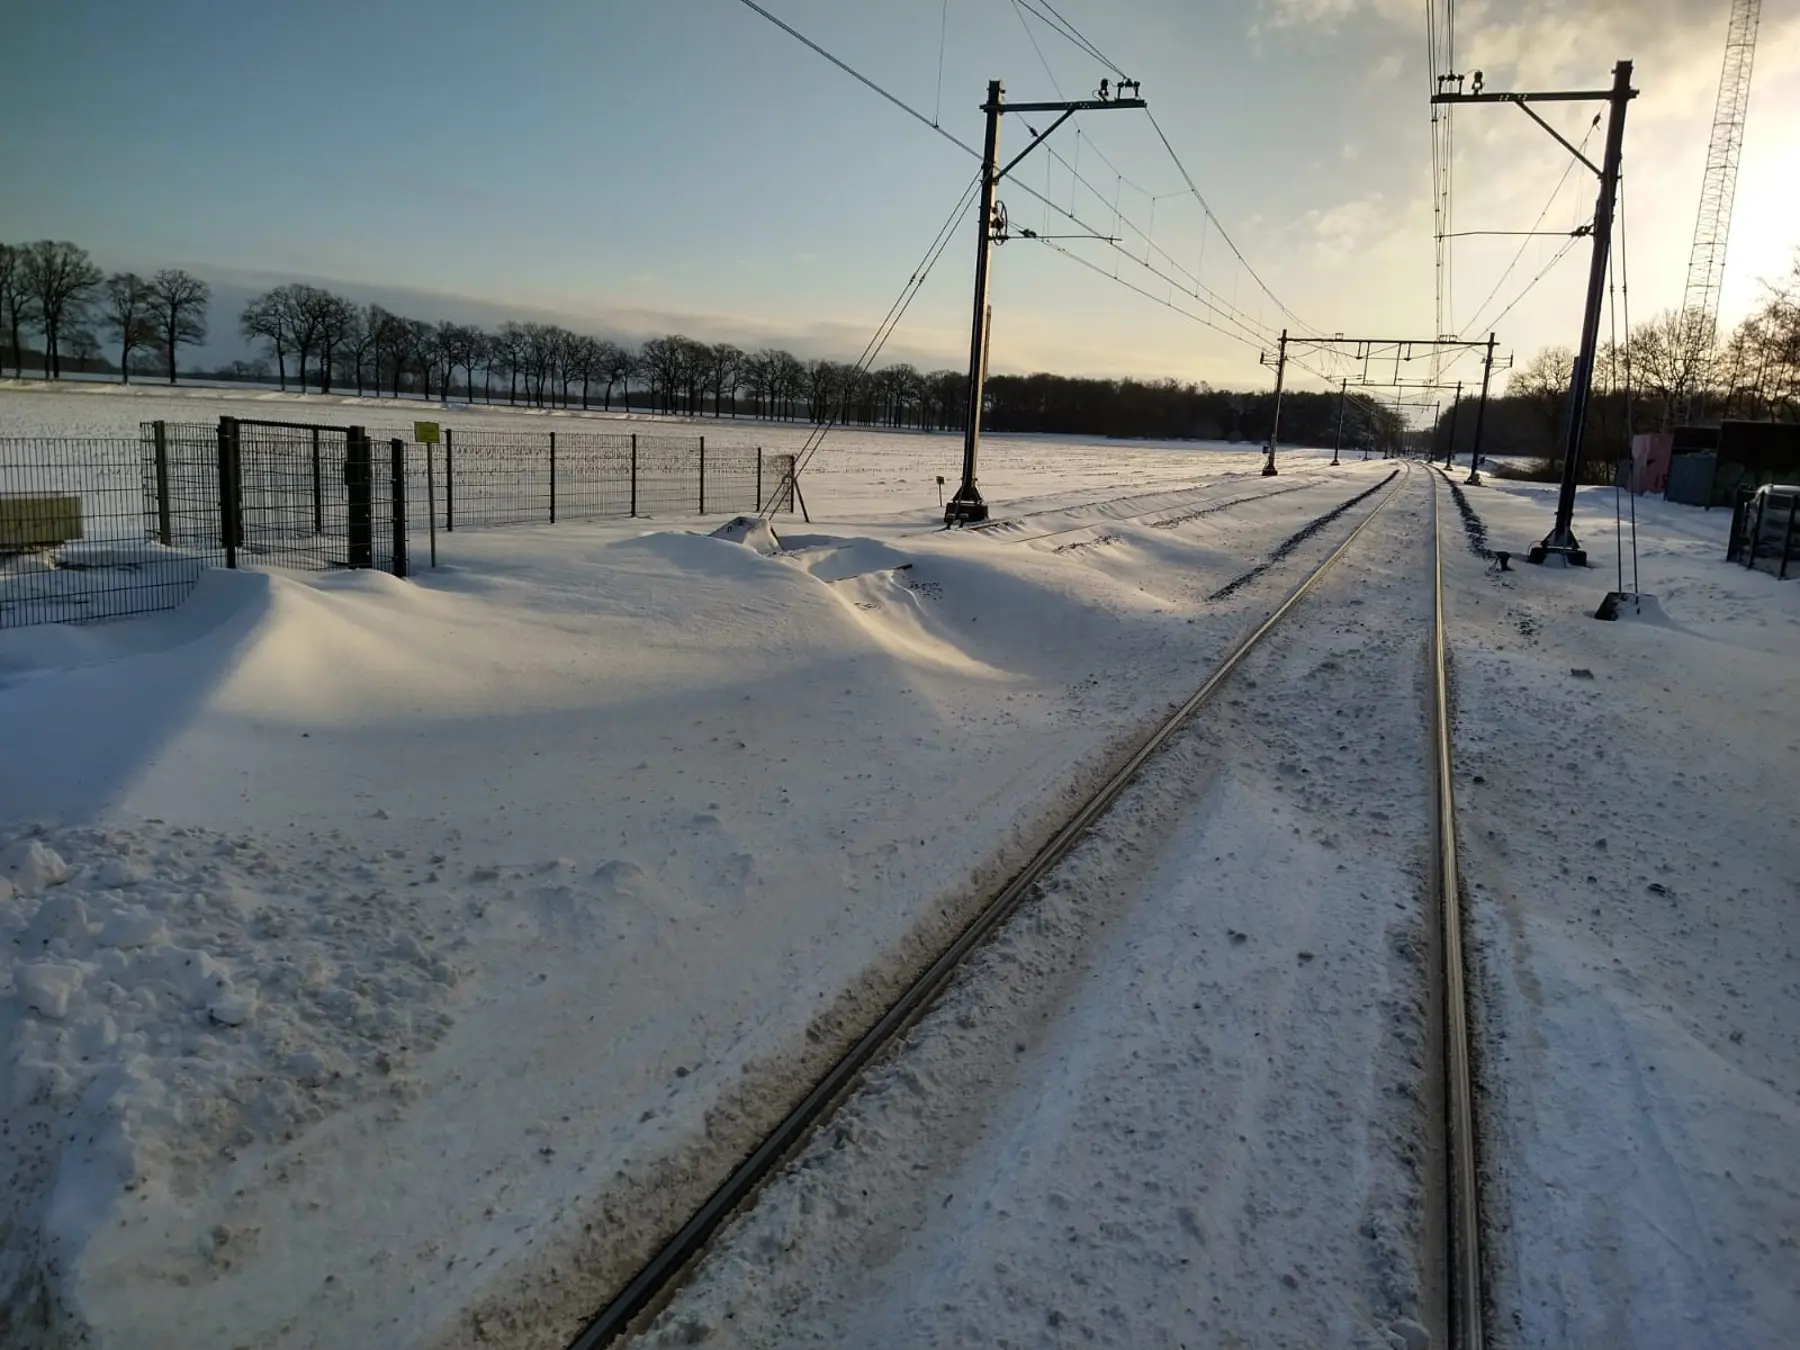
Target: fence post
x,y
430,503
759,478
163,533
228,485
703,475
318,487
634,473
553,478
359,513
397,466
1787,537
449,483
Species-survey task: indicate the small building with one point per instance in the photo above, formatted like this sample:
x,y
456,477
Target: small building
x,y
1650,454
1708,465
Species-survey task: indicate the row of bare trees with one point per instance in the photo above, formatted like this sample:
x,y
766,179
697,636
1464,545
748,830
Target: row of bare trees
x,y
53,289
1675,366
324,341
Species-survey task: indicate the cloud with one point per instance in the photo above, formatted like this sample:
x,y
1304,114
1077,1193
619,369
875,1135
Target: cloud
x,y
1540,40
1338,232
1388,68
1331,13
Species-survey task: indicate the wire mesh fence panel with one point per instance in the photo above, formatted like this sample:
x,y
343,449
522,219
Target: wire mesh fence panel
x,y
495,478
731,481
74,539
181,483
292,496
668,476
593,477
683,476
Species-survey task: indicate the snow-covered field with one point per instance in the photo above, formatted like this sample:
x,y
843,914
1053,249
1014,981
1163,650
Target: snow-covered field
x,y
859,473
392,963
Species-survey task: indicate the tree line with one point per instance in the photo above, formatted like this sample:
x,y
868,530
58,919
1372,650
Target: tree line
x,y
52,288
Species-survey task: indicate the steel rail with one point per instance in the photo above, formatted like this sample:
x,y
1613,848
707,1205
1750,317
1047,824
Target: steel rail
x,y
660,1275
1464,1218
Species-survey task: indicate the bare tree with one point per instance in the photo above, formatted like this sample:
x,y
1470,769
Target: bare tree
x,y
1670,357
181,300
304,308
755,381
356,345
584,363
510,344
265,320
83,346
565,355
787,376
126,302
461,348
1543,382
61,278
15,302
618,364
665,362
725,375
493,357
333,318
696,371
396,339
420,348
540,354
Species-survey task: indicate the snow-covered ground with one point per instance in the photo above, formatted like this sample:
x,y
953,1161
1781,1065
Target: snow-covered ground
x,y
1630,816
389,962
394,962
1176,1102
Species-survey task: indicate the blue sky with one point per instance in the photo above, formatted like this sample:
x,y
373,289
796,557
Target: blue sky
x,y
636,167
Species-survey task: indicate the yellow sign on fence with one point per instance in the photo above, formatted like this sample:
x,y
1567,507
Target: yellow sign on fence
x,y
425,433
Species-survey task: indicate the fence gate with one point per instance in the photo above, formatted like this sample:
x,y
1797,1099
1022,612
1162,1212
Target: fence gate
x,y
279,494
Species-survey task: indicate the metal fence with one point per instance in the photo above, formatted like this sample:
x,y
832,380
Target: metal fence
x,y
95,528
73,539
492,478
1765,530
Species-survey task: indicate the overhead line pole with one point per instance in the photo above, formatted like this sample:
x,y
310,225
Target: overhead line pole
x,y
1561,540
1487,373
967,506
1337,443
1280,363
1455,408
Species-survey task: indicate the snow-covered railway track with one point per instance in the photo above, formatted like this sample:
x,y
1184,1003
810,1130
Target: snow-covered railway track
x,y
1169,507
657,1280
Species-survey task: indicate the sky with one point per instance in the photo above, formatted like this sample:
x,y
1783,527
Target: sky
x,y
631,168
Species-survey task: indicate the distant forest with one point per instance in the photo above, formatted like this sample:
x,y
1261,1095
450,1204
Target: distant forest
x,y
87,321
